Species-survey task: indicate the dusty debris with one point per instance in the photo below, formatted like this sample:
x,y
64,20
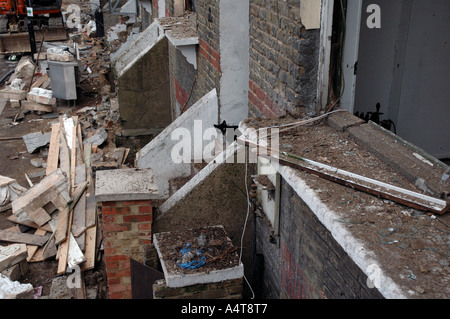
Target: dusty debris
x,y
14,290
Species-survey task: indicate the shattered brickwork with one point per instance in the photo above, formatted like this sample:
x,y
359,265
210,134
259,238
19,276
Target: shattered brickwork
x,y
283,60
127,229
182,76
305,262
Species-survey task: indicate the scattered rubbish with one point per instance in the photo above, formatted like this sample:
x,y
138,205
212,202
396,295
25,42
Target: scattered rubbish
x,y
187,261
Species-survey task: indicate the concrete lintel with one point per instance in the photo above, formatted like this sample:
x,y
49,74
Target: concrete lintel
x,y
125,184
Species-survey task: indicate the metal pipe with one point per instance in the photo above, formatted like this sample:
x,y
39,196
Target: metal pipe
x,y
6,75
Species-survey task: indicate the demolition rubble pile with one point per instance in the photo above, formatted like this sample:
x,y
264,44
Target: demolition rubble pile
x,y
56,218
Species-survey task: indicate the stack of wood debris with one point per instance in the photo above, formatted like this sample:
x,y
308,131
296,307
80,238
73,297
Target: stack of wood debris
x,y
61,207
28,90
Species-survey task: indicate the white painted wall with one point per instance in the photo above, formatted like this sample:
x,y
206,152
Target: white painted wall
x,y
161,8
404,66
157,154
234,60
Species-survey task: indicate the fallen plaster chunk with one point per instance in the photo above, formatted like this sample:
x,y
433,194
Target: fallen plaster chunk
x,y
42,96
34,141
14,289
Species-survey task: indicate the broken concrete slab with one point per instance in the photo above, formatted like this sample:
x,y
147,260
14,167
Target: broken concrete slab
x,y
60,289
25,68
15,290
125,184
34,141
17,271
37,162
99,138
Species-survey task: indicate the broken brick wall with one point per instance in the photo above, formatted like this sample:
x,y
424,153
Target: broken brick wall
x,y
208,54
305,262
182,76
283,60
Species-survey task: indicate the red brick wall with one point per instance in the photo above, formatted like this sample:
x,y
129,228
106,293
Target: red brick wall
x,y
261,100
180,93
127,227
210,54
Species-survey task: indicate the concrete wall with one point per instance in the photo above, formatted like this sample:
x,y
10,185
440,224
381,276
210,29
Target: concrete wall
x,y
157,154
143,89
283,60
234,64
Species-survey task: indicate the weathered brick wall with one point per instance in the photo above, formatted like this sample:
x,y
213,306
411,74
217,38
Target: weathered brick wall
x,y
207,76
127,229
228,289
283,60
182,76
208,53
305,261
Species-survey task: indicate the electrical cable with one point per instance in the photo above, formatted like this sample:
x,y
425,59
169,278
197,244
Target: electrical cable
x,y
245,223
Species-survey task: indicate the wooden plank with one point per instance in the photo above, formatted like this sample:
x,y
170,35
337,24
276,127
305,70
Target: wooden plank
x,y
90,249
64,156
13,237
53,151
39,216
11,255
73,157
40,81
32,249
79,211
63,253
80,142
34,106
64,217
29,223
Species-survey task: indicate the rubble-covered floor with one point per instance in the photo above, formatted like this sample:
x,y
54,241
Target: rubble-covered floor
x,y
96,109
411,246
